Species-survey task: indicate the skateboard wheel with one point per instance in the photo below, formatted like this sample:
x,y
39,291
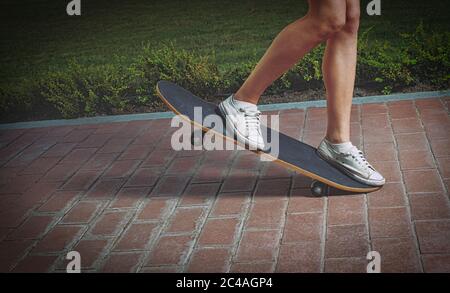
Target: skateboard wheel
x,y
197,138
318,188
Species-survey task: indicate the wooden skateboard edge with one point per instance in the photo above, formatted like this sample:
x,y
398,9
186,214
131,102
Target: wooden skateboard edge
x,y
275,159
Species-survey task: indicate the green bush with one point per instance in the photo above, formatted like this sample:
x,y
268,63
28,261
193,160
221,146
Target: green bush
x,y
421,57
197,73
86,90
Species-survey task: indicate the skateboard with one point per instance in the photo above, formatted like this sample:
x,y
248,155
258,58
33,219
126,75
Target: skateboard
x,y
292,153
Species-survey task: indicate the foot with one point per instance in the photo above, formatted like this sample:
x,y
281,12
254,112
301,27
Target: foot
x,y
347,158
243,121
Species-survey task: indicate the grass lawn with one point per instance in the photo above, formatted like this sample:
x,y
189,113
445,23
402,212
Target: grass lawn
x,y
37,35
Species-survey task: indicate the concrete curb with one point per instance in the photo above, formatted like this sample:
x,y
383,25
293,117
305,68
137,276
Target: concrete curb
x,y
271,107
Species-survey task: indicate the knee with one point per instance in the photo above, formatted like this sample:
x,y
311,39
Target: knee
x,y
328,26
352,22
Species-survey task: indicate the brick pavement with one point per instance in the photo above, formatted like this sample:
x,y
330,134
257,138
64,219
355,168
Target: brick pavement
x,y
120,196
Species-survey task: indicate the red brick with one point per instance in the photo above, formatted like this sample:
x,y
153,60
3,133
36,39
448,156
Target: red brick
x,y
31,153
391,195
59,150
78,156
40,192
303,227
398,255
170,250
378,135
429,206
315,125
19,184
32,228
434,236
230,203
313,138
346,210
130,197
444,167
301,181
389,170
239,180
441,147
314,113
59,238
77,135
375,121
10,253
414,159
170,186
267,214
274,170
121,169
35,264
109,223
83,212
272,189
182,165
346,241
105,189
301,201
137,236
407,125
422,181
158,158
258,246
144,177
436,263
185,219
209,173
94,141
82,180
59,201
346,265
121,263
266,267
403,111
99,161
247,161
219,231
163,269
61,172
428,104
370,109
115,145
209,260
199,194
303,257
438,131
13,217
40,166
412,141
156,209
380,152
90,251
389,222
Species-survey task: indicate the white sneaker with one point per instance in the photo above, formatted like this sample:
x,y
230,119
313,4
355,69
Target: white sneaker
x,y
243,121
347,158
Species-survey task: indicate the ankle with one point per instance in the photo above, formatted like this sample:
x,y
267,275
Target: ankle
x,y
239,96
337,139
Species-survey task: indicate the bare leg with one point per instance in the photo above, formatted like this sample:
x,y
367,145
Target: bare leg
x,y
324,18
338,67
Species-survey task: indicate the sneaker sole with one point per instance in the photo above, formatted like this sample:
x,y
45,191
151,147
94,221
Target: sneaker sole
x,y
349,173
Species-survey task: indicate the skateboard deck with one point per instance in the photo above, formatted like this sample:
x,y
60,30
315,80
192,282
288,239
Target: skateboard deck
x,y
292,154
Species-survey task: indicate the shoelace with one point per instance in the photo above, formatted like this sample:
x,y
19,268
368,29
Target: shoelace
x,y
252,118
358,156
